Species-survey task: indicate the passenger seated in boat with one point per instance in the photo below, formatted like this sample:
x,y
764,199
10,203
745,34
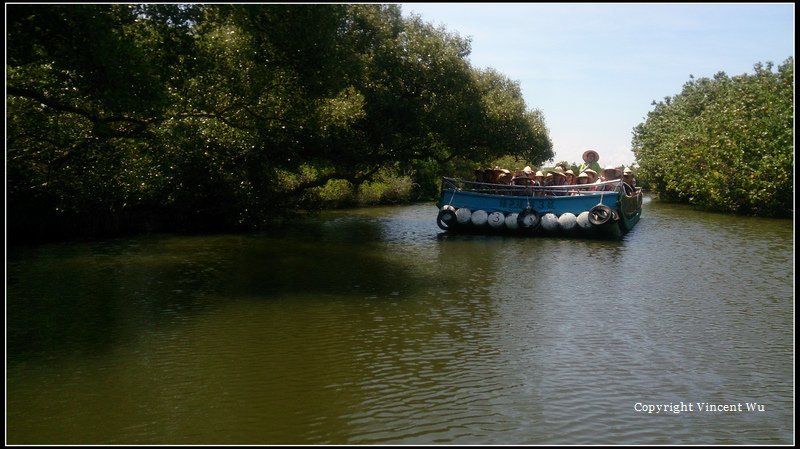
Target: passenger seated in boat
x,y
493,176
610,173
570,176
502,176
558,179
627,178
582,180
525,178
538,178
592,175
628,181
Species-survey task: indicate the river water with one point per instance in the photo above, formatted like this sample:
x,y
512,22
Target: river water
x,y
371,326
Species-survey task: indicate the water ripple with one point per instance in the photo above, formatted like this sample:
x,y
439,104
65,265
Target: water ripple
x,y
370,327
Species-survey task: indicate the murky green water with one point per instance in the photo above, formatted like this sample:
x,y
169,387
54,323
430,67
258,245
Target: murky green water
x,y
371,326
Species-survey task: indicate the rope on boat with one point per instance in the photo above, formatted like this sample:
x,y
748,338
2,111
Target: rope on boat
x,y
452,197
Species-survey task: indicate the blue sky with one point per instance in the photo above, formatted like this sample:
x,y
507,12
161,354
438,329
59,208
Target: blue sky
x,y
595,69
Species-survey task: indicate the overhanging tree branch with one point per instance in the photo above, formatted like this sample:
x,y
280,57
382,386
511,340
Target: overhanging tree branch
x,y
104,122
50,102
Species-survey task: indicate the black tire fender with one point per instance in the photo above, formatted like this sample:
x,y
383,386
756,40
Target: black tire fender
x,y
522,219
446,219
600,215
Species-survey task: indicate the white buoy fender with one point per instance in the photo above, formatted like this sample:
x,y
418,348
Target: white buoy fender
x,y
511,221
583,220
549,222
463,215
479,217
567,221
496,219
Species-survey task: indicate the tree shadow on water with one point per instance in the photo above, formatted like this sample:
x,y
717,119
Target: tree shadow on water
x,y
84,298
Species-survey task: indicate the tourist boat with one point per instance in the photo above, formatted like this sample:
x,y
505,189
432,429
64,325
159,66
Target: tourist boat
x,y
467,206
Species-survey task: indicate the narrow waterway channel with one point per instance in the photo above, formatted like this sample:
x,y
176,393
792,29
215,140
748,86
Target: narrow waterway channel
x,y
373,326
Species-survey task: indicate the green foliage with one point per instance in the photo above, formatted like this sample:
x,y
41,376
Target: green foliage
x,y
336,192
574,166
511,163
505,126
724,144
396,186
222,116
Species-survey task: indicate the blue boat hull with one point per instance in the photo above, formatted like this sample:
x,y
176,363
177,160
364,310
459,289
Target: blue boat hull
x,y
508,204
481,208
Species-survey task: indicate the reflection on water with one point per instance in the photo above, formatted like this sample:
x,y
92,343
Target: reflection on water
x,y
371,326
